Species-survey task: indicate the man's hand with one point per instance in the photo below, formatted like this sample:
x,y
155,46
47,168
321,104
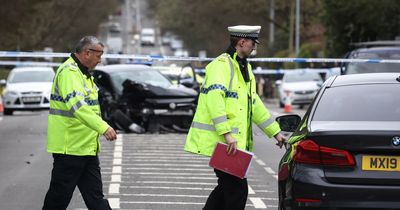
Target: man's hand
x,y
281,140
110,134
231,149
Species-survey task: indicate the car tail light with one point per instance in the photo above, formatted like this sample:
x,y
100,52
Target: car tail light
x,y
309,152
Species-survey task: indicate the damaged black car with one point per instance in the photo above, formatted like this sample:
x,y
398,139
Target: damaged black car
x,y
138,98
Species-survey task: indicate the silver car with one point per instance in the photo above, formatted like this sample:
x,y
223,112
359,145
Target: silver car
x,y
299,86
27,88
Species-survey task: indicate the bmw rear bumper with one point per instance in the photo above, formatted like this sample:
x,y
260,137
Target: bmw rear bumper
x,y
310,189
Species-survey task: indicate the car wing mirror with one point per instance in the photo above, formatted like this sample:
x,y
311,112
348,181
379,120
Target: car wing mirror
x,y
289,123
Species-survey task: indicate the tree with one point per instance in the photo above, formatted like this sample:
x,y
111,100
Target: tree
x,y
34,24
202,24
359,21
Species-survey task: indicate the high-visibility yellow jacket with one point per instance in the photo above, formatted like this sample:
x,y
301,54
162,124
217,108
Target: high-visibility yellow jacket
x,y
74,122
227,104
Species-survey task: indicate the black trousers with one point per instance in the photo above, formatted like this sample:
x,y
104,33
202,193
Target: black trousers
x,y
70,171
230,193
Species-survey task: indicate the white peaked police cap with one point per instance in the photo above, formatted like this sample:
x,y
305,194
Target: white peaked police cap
x,y
245,31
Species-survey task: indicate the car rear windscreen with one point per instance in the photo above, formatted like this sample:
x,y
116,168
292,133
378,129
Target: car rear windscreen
x,y
358,68
372,102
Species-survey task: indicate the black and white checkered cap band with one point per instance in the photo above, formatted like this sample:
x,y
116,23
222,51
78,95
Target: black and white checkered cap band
x,y
245,35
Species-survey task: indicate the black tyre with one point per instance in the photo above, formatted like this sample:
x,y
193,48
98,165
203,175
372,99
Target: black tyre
x,y
8,111
123,121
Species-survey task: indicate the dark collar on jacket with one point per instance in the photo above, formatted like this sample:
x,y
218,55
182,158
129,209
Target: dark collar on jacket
x,y
242,62
84,69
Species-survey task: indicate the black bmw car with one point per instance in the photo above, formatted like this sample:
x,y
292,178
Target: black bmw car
x,y
138,98
345,152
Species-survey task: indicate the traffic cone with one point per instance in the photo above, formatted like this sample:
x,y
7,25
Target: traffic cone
x,y
288,104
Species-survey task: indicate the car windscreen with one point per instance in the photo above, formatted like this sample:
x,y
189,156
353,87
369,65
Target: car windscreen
x,y
147,76
31,76
372,102
358,68
302,77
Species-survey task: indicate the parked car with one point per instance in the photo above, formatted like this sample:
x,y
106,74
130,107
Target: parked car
x,y
148,36
345,153
387,53
138,98
27,88
299,85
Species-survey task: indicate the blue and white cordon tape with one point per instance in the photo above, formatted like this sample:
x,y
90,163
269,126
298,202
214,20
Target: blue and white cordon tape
x,y
13,54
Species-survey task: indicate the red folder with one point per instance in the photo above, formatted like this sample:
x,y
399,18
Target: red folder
x,y
236,165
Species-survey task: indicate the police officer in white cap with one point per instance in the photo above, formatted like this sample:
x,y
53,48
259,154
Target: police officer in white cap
x,y
228,105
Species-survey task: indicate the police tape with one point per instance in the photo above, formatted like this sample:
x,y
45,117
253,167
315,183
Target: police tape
x,y
9,54
29,63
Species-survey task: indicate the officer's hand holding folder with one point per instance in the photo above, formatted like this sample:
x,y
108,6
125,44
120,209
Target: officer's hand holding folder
x,y
236,164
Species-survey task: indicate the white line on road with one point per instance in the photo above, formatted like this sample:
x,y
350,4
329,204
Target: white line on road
x,y
181,177
164,195
172,203
116,173
117,161
115,178
168,188
114,189
269,170
116,170
258,203
114,203
260,162
172,165
175,174
170,169
165,182
117,154
251,191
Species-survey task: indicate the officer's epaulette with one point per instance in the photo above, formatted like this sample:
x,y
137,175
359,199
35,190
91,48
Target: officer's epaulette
x,y
72,66
222,58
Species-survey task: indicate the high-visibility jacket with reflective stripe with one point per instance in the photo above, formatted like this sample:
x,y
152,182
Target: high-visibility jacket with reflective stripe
x,y
227,104
74,122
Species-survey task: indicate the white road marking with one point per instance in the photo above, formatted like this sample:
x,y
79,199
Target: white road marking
x,y
173,165
181,177
116,169
116,173
165,182
115,178
114,189
117,154
117,161
168,188
176,174
260,162
274,113
164,195
258,203
114,203
251,191
171,203
269,170
169,169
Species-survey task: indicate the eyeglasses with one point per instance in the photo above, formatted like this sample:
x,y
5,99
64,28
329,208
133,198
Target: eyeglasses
x,y
94,50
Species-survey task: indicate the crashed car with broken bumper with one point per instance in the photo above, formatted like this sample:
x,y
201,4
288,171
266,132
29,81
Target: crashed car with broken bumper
x,y
137,98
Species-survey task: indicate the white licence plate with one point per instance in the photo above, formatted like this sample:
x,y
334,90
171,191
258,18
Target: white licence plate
x,y
31,99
